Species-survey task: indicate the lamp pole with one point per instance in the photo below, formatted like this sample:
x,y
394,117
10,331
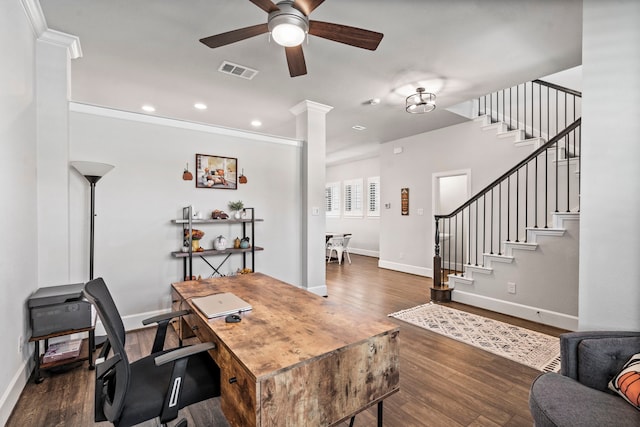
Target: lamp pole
x,y
92,171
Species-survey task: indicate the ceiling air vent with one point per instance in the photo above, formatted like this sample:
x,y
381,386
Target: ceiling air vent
x,y
237,70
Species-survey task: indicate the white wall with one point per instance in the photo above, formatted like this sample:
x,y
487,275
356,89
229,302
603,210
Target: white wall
x,y
18,220
365,231
137,200
406,242
610,197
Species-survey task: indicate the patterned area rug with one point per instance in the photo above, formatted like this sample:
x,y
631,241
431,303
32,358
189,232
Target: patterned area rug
x,y
539,351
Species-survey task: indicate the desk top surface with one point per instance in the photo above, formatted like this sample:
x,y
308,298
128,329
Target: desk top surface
x,y
288,326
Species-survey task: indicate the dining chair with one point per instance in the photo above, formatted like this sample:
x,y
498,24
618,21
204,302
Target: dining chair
x,y
335,244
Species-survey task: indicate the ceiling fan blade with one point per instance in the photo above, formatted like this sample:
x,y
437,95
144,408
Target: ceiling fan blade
x,y
352,36
295,60
266,5
235,35
307,6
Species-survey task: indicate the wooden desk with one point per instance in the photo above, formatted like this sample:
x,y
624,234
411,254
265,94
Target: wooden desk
x,y
296,359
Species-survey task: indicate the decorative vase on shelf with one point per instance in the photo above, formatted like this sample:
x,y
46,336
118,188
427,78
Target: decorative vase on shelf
x,y
195,244
236,243
220,243
237,215
244,243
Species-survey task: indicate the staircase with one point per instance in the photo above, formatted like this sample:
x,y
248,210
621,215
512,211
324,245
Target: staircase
x,y
513,247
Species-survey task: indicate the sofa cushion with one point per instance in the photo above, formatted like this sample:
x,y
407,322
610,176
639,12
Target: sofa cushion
x,y
601,359
627,382
556,400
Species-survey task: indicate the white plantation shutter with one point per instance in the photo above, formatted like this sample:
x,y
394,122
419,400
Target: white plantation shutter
x,y
373,201
332,199
353,198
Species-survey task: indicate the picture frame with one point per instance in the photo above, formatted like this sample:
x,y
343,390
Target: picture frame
x,y
216,172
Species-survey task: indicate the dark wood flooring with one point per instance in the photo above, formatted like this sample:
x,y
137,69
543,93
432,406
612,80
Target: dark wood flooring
x,y
442,382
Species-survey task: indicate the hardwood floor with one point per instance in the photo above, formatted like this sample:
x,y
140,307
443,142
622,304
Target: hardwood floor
x,y
442,382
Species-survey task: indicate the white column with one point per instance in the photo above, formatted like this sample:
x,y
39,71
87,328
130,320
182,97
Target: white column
x,y
610,175
54,51
311,128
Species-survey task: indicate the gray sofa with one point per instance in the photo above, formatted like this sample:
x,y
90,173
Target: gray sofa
x,y
579,395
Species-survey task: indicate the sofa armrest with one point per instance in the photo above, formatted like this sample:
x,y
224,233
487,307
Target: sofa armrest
x,y
570,342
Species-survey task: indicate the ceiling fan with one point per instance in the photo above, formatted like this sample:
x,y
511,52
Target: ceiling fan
x,y
289,23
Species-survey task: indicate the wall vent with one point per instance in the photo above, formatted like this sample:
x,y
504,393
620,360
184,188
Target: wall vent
x,y
237,70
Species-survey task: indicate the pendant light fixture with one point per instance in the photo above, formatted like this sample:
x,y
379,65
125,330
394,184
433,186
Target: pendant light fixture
x,y
420,102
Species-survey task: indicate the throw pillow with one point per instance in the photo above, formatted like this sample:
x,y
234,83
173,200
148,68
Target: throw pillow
x,y
627,382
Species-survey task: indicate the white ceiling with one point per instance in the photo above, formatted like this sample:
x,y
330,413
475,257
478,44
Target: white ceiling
x,y
147,51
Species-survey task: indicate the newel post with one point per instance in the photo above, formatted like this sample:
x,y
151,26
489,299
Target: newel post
x,y
439,292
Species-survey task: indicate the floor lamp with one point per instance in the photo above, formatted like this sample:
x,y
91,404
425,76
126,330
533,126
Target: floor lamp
x,y
92,171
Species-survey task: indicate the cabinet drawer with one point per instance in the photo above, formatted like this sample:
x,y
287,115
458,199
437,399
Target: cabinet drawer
x,y
238,387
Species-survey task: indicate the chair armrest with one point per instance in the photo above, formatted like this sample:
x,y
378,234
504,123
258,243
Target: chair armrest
x,y
163,322
569,343
181,353
165,316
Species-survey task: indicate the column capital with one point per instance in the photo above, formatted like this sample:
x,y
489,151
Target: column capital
x,y
68,41
307,105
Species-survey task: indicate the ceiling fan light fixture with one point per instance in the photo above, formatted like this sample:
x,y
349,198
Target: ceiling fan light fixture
x,y
288,35
288,26
420,102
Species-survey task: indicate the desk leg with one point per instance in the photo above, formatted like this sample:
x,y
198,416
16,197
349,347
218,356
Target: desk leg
x,y
380,414
36,356
92,348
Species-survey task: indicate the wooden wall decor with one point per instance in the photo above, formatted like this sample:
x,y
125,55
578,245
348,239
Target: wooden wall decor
x,y
404,201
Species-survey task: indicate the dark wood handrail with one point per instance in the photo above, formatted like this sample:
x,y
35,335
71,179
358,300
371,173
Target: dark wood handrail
x,y
558,87
511,171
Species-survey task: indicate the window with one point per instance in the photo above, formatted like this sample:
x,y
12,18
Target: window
x,y
373,202
353,198
332,199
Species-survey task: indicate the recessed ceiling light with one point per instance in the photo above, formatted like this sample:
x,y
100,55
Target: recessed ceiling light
x,y
256,123
200,106
149,108
374,101
358,127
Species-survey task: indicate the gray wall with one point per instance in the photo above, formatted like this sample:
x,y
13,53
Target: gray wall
x,y
18,206
137,200
406,242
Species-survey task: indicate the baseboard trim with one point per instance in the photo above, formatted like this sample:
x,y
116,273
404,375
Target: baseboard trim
x,y
12,393
323,291
406,268
534,314
364,252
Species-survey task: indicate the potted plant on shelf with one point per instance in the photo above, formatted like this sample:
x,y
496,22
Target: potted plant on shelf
x,y
237,207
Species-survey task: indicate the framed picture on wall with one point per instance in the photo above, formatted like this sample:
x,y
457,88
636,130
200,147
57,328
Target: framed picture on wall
x,y
216,172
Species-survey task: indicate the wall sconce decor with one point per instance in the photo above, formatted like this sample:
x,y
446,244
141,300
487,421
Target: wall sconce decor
x,y
186,175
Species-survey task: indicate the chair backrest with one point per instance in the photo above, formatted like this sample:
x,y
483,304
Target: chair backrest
x,y
335,242
345,242
116,383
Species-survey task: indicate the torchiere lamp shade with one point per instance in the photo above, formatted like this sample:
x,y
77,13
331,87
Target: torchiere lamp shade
x,y
93,171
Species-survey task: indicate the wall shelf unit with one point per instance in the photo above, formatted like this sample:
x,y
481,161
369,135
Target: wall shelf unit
x,y
188,224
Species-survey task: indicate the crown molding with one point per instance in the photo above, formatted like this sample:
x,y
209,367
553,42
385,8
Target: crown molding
x,y
34,13
72,43
180,124
40,29
307,105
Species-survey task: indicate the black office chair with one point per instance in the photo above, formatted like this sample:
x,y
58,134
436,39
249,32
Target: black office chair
x,y
157,385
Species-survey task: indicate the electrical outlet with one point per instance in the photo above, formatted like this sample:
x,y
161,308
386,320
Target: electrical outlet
x,y
511,287
20,344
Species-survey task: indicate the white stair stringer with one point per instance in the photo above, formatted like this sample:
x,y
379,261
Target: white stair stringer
x,y
543,269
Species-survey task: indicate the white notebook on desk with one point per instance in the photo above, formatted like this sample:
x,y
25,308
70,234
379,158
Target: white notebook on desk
x,y
220,304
